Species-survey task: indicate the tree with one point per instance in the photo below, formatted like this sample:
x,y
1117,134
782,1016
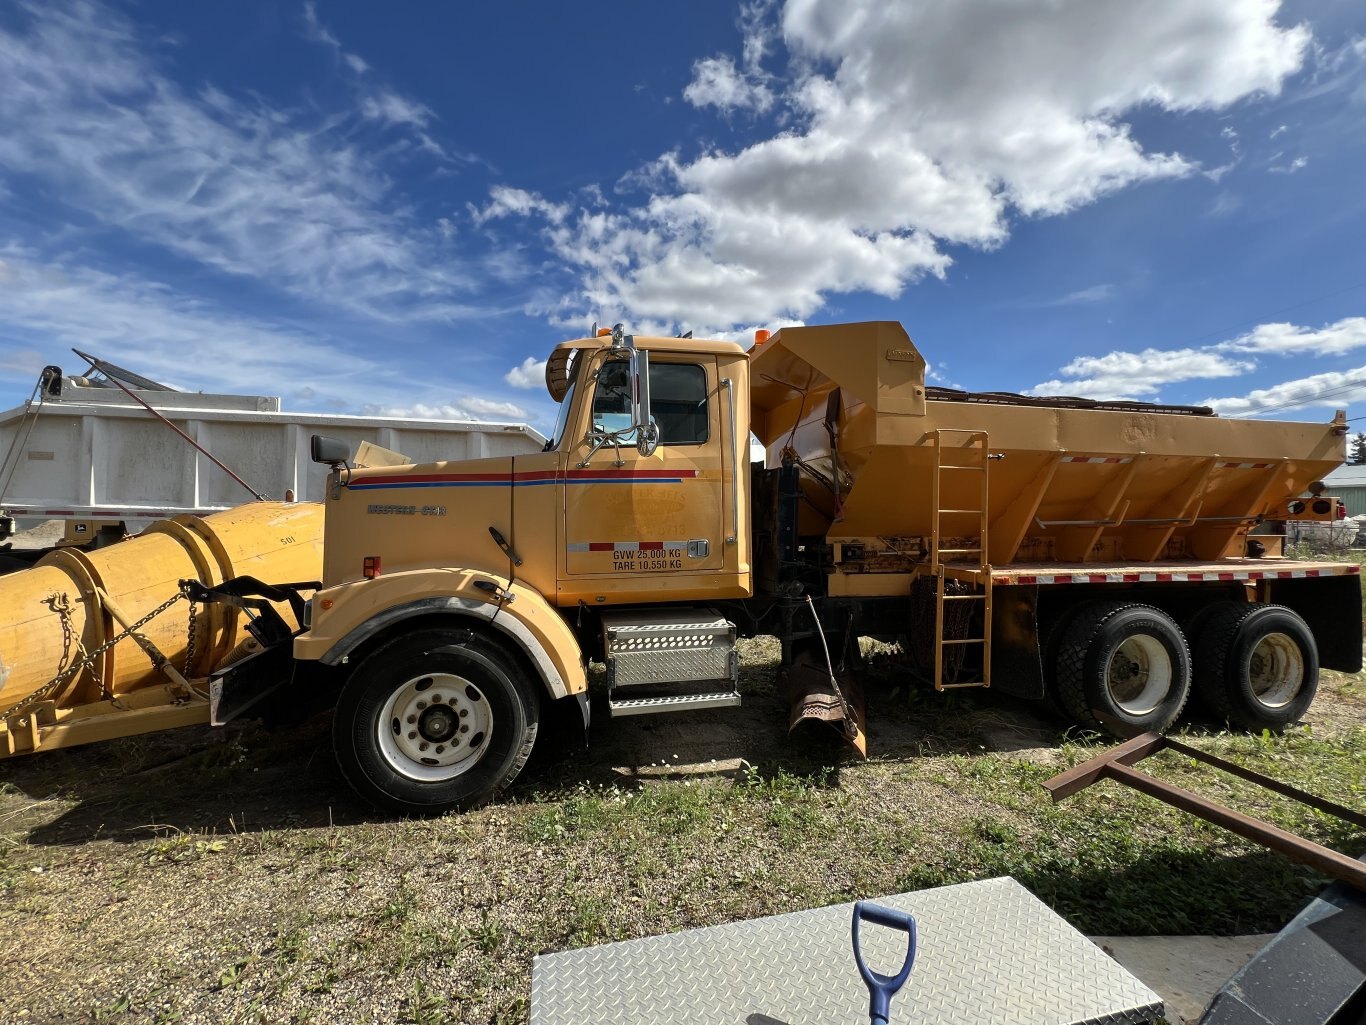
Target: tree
x,y
1358,450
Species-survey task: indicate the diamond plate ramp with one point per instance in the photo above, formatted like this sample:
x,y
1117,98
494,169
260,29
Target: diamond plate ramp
x,y
990,953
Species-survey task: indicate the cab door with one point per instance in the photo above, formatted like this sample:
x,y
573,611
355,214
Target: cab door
x,y
646,528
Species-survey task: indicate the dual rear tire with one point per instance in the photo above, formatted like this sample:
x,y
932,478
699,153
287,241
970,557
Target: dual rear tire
x,y
1256,665
1124,668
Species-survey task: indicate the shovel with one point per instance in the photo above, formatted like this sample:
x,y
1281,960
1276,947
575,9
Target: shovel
x,y
881,988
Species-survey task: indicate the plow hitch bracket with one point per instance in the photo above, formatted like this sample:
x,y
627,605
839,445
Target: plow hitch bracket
x,y
254,598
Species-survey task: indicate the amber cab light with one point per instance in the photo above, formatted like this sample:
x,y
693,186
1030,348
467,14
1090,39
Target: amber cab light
x,y
371,567
760,336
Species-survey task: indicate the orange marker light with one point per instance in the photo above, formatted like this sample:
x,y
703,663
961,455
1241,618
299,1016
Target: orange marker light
x,y
603,332
760,336
371,567
327,603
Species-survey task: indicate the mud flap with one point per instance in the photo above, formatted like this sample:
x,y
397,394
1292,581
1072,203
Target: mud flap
x,y
812,698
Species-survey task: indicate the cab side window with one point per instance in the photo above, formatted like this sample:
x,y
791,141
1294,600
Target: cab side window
x,y
678,401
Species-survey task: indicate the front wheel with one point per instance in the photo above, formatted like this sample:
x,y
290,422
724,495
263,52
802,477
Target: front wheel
x,y
1123,669
434,721
1256,665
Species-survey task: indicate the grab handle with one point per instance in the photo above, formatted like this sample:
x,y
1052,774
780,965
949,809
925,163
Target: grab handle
x,y
881,988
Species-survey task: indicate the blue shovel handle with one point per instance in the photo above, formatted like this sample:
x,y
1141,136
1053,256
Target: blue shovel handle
x,y
881,988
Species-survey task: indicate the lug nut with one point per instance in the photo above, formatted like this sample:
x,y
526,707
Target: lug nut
x,y
421,705
464,713
423,746
440,748
464,729
412,719
436,699
412,735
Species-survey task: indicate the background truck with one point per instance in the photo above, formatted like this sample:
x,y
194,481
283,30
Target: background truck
x,y
1092,555
90,450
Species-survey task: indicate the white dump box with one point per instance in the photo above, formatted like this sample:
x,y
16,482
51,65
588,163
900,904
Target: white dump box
x,y
90,452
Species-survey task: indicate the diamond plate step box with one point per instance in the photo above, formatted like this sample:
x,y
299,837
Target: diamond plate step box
x,y
677,703
666,646
989,953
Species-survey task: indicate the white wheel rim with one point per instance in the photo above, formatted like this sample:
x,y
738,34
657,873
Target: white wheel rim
x,y
434,727
1139,674
1275,670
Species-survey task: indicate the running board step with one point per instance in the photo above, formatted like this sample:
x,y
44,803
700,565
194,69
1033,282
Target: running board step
x,y
677,703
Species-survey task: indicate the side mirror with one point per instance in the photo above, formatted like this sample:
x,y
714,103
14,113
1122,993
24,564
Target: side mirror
x,y
328,450
647,431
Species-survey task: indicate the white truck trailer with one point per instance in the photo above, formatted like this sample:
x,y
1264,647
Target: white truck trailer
x,y
86,450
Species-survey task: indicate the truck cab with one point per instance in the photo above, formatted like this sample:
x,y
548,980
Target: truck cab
x,y
517,569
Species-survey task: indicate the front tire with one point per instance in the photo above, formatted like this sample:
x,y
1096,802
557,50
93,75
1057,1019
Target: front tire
x,y
1257,665
434,721
1123,669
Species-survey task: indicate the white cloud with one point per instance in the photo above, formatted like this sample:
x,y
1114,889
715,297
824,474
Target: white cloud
x,y
195,345
1289,339
315,30
394,109
1333,390
292,199
165,335
1295,165
1120,375
1083,296
23,362
466,408
529,374
1224,204
911,126
506,202
717,82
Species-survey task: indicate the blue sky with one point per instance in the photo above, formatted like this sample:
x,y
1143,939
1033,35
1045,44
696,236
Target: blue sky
x,y
401,207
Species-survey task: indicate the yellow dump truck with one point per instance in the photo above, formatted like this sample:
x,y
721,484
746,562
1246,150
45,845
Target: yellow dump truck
x,y
1094,555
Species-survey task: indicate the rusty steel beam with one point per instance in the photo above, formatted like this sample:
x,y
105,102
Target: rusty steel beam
x,y
1117,764
1329,862
1081,776
1275,785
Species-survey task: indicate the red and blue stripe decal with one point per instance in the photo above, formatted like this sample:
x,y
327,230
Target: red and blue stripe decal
x,y
526,479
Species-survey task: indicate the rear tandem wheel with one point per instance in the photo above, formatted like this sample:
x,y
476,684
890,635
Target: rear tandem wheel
x,y
1256,665
1123,669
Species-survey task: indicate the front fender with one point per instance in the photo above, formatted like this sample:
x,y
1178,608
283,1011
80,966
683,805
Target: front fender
x,y
346,616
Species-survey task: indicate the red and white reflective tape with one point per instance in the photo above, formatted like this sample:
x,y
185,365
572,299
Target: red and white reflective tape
x,y
1097,459
1244,466
1164,577
623,546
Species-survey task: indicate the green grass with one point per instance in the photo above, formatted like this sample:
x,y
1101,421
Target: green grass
x,y
260,892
